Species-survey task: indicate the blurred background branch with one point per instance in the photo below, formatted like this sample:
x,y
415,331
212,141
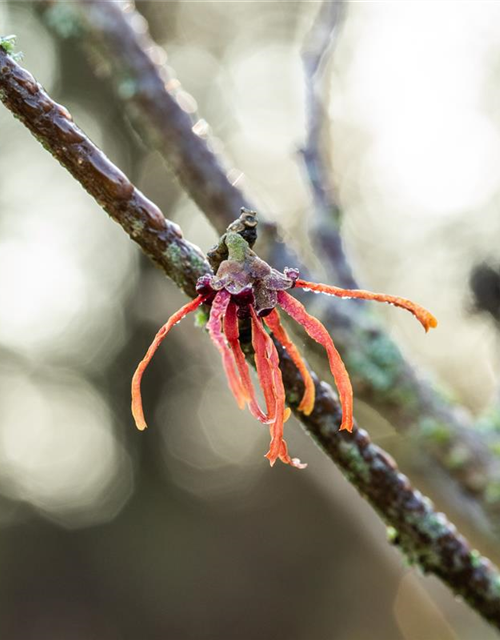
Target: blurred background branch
x,y
382,377
423,535
316,54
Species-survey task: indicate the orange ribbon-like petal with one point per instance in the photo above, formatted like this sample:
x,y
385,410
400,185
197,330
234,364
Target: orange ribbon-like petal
x,y
318,333
269,373
426,319
137,410
273,321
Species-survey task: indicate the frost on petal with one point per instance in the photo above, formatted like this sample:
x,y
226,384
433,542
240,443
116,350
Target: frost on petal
x,y
219,308
269,372
232,333
426,319
137,410
318,333
274,323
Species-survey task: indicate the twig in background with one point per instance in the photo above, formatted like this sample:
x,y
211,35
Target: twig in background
x,y
327,215
426,537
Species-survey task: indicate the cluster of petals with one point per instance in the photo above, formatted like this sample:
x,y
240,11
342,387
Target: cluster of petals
x,y
245,288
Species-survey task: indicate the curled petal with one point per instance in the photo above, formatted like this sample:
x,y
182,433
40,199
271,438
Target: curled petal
x,y
285,457
268,370
262,345
218,311
274,323
137,410
426,319
318,333
232,333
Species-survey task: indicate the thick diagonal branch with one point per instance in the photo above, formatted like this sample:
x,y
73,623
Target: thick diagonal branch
x,y
380,374
424,535
53,126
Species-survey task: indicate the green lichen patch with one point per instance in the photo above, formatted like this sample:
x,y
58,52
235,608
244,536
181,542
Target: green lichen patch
x,y
137,227
198,263
494,588
64,19
494,447
457,457
489,422
475,558
378,363
492,492
174,254
434,431
353,462
237,246
8,44
127,88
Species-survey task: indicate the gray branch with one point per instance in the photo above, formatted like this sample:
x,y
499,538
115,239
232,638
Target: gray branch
x,y
327,214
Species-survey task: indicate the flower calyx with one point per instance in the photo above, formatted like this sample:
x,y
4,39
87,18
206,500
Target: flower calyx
x,y
250,281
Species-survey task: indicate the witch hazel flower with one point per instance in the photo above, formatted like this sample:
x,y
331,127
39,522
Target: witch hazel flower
x,y
246,289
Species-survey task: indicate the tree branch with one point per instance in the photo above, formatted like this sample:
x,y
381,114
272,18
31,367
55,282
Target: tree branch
x,y
425,536
327,215
152,101
53,126
381,376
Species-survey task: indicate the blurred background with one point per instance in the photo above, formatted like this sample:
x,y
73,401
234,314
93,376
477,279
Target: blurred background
x,y
184,532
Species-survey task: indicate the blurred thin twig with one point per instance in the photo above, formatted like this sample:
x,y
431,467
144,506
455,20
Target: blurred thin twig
x,y
327,215
381,376
426,537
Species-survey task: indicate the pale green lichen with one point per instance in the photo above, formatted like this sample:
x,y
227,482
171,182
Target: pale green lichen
x,y
475,558
8,44
435,525
378,362
494,588
457,457
236,245
198,263
494,447
127,88
434,431
137,227
173,254
492,492
431,526
64,19
184,266
356,464
489,421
